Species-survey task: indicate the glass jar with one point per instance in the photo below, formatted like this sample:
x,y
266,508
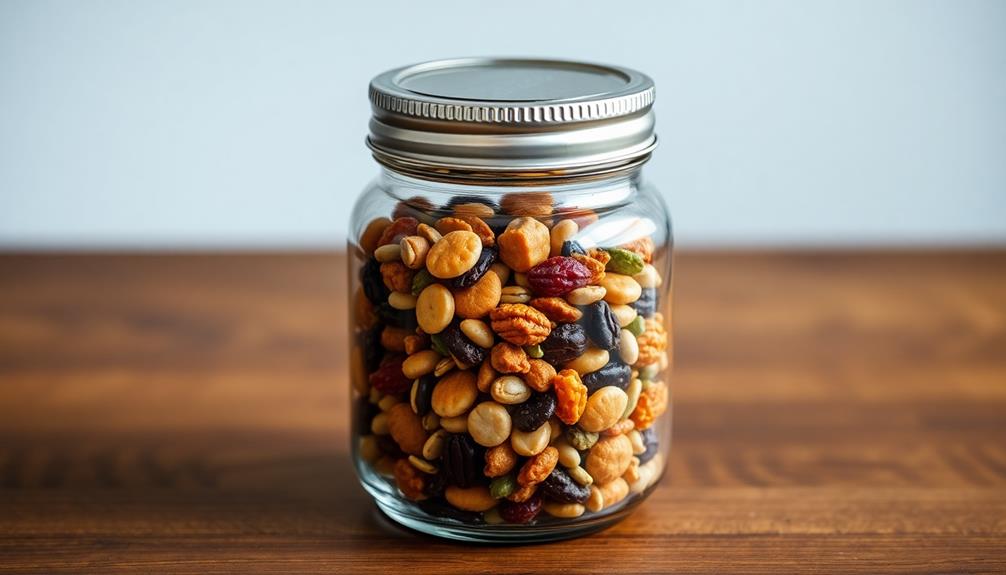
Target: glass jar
x,y
510,288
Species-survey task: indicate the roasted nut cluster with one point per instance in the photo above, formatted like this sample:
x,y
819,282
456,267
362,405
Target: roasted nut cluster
x,y
507,365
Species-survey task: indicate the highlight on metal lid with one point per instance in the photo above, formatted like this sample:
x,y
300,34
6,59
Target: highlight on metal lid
x,y
509,117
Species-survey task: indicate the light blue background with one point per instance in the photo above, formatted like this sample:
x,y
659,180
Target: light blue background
x,y
227,123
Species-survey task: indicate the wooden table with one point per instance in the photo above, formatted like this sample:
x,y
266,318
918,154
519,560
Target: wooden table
x,y
834,412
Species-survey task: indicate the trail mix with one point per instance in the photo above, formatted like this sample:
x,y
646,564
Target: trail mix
x,y
505,370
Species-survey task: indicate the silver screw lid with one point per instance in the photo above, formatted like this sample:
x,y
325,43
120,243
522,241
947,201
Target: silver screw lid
x,y
508,117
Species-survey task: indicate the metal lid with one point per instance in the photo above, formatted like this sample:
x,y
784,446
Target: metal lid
x,y
500,118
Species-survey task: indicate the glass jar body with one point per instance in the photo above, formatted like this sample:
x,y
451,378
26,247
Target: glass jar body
x,y
528,406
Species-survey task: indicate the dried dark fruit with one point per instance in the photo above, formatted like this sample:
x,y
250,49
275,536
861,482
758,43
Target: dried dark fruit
x,y
486,259
441,508
559,486
570,247
521,512
463,349
565,343
601,325
370,341
613,373
462,460
389,447
534,412
646,305
403,318
437,484
389,377
424,394
651,442
373,281
558,276
363,414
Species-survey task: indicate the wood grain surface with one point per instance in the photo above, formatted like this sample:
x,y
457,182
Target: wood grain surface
x,y
833,413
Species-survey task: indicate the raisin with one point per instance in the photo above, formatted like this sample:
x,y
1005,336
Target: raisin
x,y
389,377
373,281
651,443
534,412
613,373
601,325
565,343
424,394
363,414
370,341
437,484
559,486
570,247
463,349
463,460
486,259
646,305
521,512
389,447
403,318
441,508
558,276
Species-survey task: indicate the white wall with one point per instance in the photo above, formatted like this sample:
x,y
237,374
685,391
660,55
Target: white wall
x,y
239,123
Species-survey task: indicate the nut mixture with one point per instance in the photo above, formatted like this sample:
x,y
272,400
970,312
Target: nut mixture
x,y
504,364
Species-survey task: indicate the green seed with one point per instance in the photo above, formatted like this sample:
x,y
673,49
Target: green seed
x,y
581,440
534,351
421,280
502,486
437,343
637,326
624,262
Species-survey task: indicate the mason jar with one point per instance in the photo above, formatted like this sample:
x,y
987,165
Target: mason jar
x,y
510,288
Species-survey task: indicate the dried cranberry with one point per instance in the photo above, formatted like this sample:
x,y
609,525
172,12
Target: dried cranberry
x,y
389,377
486,259
521,512
646,305
565,343
462,460
651,442
570,247
559,486
463,349
613,373
601,325
373,282
534,412
558,276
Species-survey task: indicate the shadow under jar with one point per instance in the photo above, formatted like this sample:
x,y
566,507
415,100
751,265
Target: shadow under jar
x,y
510,276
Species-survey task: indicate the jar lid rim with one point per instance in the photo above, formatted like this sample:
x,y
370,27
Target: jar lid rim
x,y
511,114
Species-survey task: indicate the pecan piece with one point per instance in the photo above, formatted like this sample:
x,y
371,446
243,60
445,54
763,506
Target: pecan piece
x,y
652,342
509,358
557,309
596,267
520,324
410,480
397,277
536,469
642,246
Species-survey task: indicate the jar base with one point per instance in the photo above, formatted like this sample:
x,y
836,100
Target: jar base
x,y
407,515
